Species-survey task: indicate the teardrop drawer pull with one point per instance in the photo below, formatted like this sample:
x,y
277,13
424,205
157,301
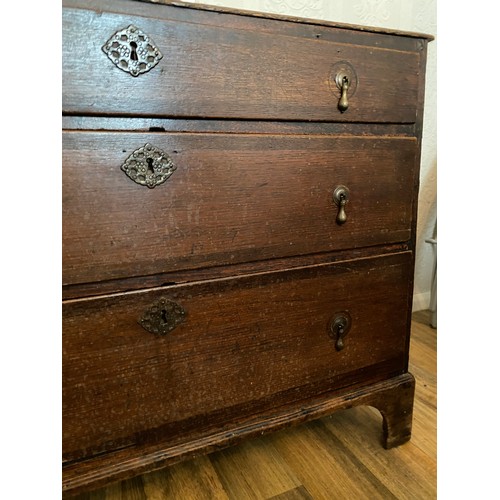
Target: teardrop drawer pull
x,y
132,50
343,102
162,317
149,166
339,328
340,198
343,78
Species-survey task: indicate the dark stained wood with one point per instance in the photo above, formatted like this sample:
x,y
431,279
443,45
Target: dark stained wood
x,y
256,21
416,179
243,236
235,126
270,15
210,71
225,203
331,457
268,333
209,273
397,414
100,470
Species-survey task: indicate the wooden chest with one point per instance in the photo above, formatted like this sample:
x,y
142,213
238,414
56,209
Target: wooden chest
x,y
239,211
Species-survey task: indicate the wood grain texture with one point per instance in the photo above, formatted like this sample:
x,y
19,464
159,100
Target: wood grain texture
x,y
243,236
226,203
268,333
136,124
216,272
218,72
122,464
293,19
325,456
258,21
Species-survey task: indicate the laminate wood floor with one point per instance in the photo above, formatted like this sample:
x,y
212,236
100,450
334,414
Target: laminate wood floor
x,y
337,457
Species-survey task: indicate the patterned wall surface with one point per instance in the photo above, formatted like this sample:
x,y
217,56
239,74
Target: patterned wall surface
x,y
406,15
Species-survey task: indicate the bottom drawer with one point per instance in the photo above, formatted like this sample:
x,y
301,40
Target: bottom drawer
x,y
238,346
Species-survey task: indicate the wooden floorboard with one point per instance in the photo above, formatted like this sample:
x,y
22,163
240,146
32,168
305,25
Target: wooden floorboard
x,y
337,457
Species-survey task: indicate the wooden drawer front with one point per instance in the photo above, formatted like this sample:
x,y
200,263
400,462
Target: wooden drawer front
x,y
252,342
233,198
213,71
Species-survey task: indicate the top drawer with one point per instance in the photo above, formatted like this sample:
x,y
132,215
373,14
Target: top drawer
x,y
217,71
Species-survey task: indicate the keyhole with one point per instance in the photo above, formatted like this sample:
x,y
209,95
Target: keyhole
x,y
150,165
133,55
164,316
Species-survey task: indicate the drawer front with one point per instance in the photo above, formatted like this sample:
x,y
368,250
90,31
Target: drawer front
x,y
222,72
250,343
232,199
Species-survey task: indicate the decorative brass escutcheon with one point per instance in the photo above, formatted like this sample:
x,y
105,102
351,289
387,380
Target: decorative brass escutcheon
x,y
340,198
162,317
339,328
131,50
149,166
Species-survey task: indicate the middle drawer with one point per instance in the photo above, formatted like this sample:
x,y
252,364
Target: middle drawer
x,y
230,198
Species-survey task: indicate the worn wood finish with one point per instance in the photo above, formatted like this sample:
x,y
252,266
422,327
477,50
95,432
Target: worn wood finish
x,y
238,19
353,29
236,127
337,456
216,272
268,333
243,236
121,465
217,72
225,203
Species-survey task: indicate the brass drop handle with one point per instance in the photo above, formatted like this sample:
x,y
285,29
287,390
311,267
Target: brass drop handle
x,y
339,345
339,328
341,216
343,102
340,198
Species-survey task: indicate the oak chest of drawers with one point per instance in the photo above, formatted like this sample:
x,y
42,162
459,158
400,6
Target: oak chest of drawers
x,y
239,210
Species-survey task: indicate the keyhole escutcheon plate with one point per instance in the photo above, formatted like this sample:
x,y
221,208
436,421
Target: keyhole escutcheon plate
x,y
131,50
149,166
162,316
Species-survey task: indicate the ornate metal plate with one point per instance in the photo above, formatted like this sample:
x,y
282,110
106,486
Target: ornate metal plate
x,y
162,317
149,166
132,51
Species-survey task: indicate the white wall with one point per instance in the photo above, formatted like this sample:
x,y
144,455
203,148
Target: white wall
x,y
406,15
